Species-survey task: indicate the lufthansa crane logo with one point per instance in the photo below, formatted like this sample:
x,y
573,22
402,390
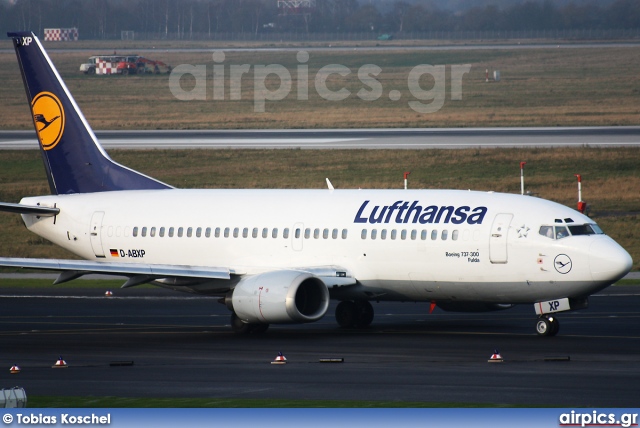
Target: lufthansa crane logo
x,y
562,263
48,117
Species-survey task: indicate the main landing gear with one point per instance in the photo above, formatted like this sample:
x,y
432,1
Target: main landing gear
x,y
547,325
354,314
240,327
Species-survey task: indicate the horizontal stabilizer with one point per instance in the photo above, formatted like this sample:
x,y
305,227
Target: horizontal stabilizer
x,y
29,209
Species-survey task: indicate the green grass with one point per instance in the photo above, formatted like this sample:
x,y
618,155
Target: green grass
x,y
539,87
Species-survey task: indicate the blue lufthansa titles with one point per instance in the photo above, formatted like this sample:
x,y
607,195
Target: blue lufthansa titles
x,y
411,212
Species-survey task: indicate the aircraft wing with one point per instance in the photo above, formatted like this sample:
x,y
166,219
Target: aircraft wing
x,y
138,273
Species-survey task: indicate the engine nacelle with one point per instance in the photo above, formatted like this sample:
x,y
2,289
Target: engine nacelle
x,y
284,296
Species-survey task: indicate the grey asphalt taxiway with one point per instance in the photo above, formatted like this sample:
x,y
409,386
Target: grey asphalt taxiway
x,y
151,342
428,138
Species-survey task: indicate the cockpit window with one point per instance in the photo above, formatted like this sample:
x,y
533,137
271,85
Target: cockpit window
x,y
546,231
559,232
585,229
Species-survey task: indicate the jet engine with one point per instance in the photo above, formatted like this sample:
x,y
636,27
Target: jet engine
x,y
285,296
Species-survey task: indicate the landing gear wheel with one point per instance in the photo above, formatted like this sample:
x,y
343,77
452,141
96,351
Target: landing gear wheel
x,y
365,313
547,326
346,314
358,314
259,328
240,327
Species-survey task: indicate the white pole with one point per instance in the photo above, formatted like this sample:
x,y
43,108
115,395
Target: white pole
x,y
522,164
406,174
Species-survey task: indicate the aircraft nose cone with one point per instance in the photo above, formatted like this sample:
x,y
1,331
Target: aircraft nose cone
x,y
608,260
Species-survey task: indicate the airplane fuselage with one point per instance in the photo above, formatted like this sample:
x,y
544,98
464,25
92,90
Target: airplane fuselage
x,y
420,245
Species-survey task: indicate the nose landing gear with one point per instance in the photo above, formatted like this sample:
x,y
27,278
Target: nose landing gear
x,y
547,325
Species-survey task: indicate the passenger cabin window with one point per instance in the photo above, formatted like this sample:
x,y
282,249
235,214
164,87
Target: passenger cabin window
x,y
207,232
135,231
363,234
144,231
434,235
274,232
374,233
189,232
265,232
162,232
285,233
152,232
344,233
171,231
180,232
325,233
414,234
334,234
403,234
423,235
393,234
454,235
226,232
307,233
444,235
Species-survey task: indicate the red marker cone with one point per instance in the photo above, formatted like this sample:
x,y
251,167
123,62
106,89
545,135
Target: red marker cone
x,y
60,364
280,359
15,369
496,357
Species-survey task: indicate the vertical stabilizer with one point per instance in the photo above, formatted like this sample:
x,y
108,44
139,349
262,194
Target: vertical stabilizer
x,y
74,160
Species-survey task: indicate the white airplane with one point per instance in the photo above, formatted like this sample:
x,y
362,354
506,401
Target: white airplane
x,y
278,256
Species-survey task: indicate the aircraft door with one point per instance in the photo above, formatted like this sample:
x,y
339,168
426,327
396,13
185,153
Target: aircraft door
x,y
96,233
498,239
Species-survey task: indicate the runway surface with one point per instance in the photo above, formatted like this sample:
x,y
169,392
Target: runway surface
x,y
433,138
182,346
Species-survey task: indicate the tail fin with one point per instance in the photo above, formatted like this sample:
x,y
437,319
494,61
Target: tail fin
x,y
74,160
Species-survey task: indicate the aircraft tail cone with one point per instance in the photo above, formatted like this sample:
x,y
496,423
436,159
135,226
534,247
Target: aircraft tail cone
x,y
496,357
280,359
14,369
60,364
